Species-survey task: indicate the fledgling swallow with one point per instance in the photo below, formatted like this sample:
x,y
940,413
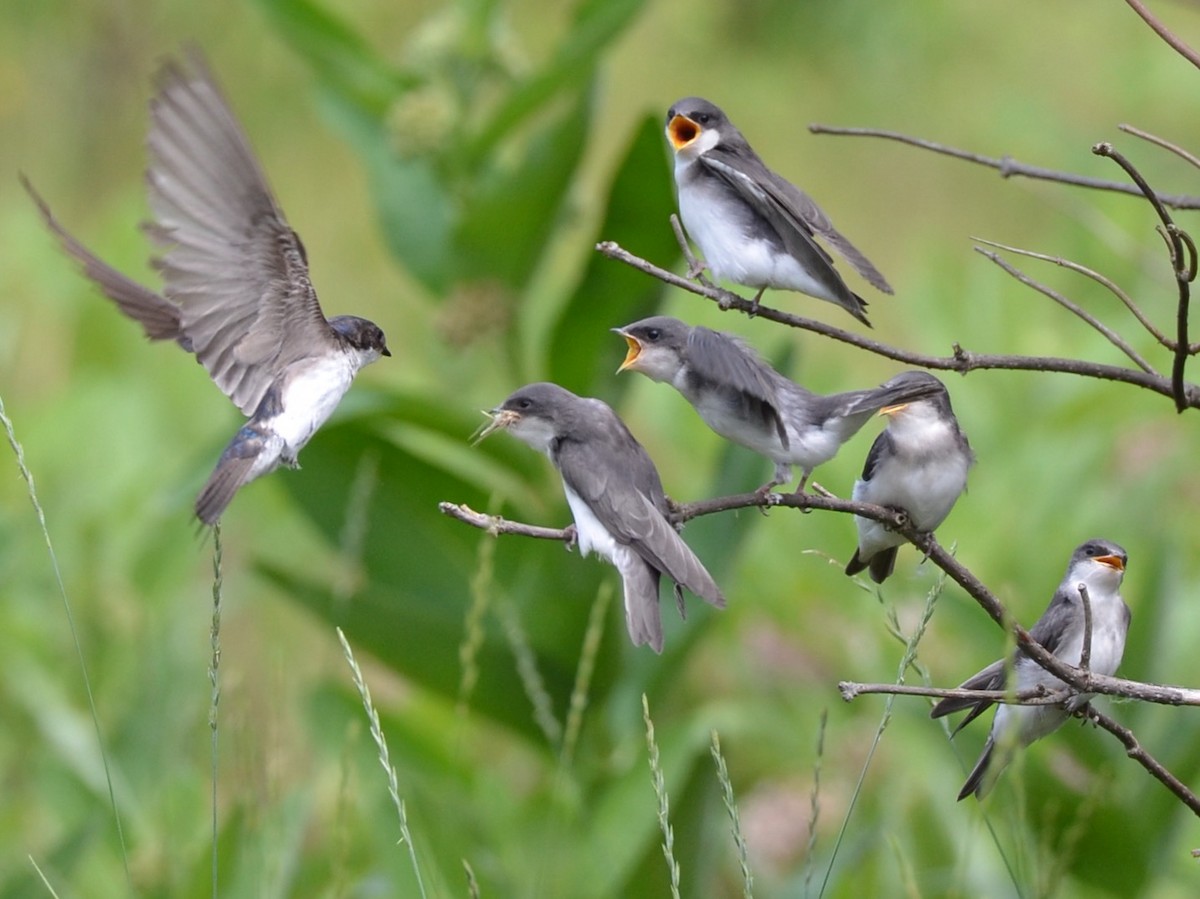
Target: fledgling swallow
x,y
236,290
1100,566
745,400
754,227
615,495
918,464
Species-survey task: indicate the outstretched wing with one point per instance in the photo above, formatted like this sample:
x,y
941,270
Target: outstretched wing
x,y
158,317
232,265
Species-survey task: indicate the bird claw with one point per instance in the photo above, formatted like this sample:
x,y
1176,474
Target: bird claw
x,y
290,462
767,497
696,269
570,537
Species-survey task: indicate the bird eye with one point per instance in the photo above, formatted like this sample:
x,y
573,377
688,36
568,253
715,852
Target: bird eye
x,y
703,118
653,334
523,404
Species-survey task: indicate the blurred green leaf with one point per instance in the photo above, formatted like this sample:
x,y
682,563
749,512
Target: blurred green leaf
x,y
343,61
512,211
583,353
597,23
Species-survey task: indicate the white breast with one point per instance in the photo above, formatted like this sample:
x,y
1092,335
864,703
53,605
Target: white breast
x,y
591,533
310,398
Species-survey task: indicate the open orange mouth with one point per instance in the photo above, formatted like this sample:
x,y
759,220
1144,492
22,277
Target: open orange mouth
x,y
1112,562
635,350
682,131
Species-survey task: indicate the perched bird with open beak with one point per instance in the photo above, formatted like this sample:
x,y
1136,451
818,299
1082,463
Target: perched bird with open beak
x,y
918,464
754,227
1099,567
745,400
236,291
615,495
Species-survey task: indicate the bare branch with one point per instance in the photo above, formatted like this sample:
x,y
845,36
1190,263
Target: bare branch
x,y
1006,165
1100,279
1165,33
1112,336
495,525
1040,696
962,361
1079,680
1162,142
1183,264
1135,751
1037,695
1085,652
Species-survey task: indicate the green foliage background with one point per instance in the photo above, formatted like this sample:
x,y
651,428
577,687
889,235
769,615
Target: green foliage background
x,y
450,166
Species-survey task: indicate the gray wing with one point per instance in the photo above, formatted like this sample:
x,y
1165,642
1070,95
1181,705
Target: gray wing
x,y
722,360
233,266
990,678
795,215
610,472
1061,616
158,317
883,445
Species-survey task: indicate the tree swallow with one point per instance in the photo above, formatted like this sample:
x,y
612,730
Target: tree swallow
x,y
236,289
753,227
918,465
1100,566
615,495
745,400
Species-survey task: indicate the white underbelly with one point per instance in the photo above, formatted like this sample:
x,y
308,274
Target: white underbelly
x,y
724,232
309,400
591,534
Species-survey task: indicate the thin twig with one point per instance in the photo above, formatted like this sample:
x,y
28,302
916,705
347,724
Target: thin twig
x,y
1112,336
1165,33
1100,279
1183,264
1006,165
963,361
1162,142
1037,695
1085,652
1135,751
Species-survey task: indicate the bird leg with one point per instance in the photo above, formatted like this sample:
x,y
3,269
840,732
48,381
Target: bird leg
x,y
696,268
570,537
289,461
754,304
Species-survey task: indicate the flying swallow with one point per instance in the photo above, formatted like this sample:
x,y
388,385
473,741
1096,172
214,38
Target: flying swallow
x,y
745,400
754,227
615,495
1098,565
918,464
236,290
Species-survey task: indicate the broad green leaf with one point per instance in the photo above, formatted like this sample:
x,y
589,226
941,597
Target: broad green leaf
x,y
512,211
343,61
583,354
597,24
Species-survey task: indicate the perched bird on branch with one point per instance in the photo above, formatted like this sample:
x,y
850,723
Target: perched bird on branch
x,y
745,400
1094,575
754,227
918,465
236,291
615,495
